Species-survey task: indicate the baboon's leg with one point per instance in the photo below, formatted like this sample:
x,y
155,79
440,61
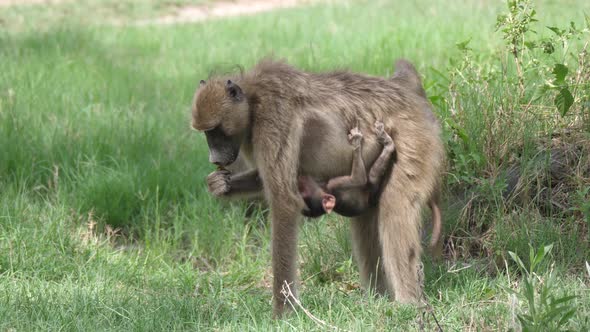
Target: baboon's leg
x,y
278,166
367,251
358,176
399,220
284,255
380,165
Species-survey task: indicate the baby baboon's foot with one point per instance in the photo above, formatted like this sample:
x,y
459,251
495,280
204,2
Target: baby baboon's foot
x,y
355,137
382,137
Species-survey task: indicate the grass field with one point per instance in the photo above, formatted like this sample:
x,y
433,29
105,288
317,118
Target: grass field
x,y
106,223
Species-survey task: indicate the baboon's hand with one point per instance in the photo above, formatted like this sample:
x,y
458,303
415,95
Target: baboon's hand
x,y
218,183
382,135
355,137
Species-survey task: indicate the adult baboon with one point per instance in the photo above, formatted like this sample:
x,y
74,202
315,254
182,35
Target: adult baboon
x,y
288,122
349,195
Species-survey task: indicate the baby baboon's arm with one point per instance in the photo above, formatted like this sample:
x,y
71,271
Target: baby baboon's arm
x,y
358,176
222,183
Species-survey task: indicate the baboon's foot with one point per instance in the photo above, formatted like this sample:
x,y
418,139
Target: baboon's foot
x,y
382,136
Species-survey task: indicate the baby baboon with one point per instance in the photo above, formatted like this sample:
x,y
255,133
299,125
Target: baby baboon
x,y
350,195
287,122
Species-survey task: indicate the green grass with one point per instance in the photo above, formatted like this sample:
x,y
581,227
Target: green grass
x,y
105,221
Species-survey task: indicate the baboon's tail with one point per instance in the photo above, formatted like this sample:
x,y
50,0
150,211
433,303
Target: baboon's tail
x,y
435,241
406,72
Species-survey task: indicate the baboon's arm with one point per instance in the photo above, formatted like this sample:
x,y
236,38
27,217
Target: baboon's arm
x,y
246,182
222,183
358,176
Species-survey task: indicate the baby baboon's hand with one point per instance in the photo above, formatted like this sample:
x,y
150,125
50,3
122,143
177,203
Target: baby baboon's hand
x,y
355,137
382,137
218,182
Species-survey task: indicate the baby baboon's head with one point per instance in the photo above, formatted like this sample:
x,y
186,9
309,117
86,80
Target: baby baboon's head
x,y
221,110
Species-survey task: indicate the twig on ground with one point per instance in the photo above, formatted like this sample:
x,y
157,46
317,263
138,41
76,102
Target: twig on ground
x,y
428,309
294,302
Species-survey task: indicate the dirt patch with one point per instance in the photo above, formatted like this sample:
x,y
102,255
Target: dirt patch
x,y
28,2
188,14
168,12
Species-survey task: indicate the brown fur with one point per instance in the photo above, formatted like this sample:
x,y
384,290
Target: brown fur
x,y
406,74
291,122
353,194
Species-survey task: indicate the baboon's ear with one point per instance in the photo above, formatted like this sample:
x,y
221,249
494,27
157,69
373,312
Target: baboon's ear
x,y
233,90
202,83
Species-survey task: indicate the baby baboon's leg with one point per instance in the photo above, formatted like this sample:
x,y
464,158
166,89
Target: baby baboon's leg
x,y
399,220
367,251
380,165
358,176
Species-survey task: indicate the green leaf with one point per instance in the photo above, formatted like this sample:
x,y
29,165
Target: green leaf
x,y
529,294
441,77
540,92
560,72
587,19
518,261
459,131
532,15
547,249
500,19
566,317
435,99
556,30
563,101
530,44
548,47
537,258
551,315
564,299
462,46
525,318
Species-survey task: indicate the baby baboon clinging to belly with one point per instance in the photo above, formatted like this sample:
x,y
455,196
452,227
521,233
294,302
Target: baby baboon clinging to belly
x,y
353,195
350,195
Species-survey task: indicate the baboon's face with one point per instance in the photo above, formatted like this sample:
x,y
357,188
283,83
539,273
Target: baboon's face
x,y
221,111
